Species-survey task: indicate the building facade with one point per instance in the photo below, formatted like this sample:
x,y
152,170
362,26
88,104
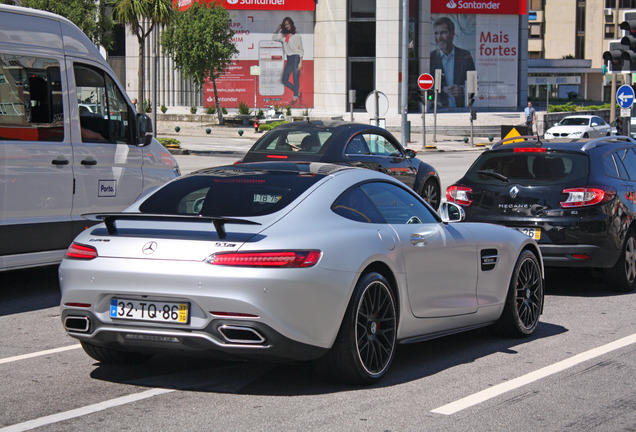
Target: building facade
x,y
357,45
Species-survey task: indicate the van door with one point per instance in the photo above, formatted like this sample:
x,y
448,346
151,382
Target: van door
x,y
36,172
108,163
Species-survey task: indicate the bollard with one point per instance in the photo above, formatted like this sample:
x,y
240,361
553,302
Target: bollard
x,y
177,129
465,139
240,132
208,131
490,138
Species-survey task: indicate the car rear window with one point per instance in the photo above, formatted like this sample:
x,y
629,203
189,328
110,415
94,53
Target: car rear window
x,y
293,141
230,192
529,168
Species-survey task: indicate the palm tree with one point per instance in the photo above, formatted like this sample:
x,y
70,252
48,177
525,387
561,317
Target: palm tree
x,y
142,16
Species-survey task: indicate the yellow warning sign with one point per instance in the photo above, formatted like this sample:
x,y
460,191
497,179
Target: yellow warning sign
x,y
513,133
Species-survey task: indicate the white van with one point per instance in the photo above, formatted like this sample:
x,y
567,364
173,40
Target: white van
x,y
70,140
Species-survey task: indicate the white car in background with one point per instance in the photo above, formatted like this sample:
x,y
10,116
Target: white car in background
x,y
579,126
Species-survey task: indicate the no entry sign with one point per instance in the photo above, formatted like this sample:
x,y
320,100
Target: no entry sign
x,y
425,81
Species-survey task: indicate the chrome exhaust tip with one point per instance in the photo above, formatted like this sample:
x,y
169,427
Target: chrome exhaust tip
x,y
241,335
77,324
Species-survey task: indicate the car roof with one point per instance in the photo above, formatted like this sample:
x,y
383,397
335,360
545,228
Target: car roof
x,y
340,125
277,166
573,144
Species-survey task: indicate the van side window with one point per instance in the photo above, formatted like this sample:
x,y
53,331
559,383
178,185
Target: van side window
x,y
31,106
103,110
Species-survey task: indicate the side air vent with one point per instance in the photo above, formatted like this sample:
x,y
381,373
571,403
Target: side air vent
x,y
489,259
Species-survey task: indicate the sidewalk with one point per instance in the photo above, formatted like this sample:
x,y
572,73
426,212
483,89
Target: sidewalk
x,y
226,139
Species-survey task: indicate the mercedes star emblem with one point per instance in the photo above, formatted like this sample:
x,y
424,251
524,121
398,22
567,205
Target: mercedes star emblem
x,y
149,248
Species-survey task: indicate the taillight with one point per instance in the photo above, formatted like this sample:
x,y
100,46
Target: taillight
x,y
80,251
276,157
459,195
529,150
295,259
584,197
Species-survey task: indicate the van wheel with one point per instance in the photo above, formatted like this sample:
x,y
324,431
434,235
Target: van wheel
x,y
366,341
622,277
112,356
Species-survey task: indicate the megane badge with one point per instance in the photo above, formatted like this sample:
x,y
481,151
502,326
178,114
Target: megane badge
x,y
149,248
514,191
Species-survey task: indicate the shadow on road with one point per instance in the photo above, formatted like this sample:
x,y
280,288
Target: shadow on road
x,y
29,290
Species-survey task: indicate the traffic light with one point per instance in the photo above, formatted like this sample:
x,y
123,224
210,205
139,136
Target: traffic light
x,y
621,57
473,114
619,126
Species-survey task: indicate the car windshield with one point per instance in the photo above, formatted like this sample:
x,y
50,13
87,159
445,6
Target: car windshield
x,y
529,168
230,192
293,141
575,121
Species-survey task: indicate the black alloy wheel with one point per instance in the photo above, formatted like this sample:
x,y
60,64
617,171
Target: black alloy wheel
x,y
524,303
366,342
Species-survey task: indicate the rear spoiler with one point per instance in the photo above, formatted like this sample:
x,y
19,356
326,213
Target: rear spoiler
x,y
109,220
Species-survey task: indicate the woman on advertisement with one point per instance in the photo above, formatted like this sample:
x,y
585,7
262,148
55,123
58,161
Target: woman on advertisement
x,y
293,46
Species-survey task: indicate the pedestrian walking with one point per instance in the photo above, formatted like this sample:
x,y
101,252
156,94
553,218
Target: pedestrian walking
x,y
531,117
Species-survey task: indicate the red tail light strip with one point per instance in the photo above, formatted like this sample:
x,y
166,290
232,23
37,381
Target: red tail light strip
x,y
584,197
293,259
80,251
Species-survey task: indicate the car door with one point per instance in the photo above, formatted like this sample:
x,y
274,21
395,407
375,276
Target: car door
x,y
601,128
440,259
36,172
378,152
108,163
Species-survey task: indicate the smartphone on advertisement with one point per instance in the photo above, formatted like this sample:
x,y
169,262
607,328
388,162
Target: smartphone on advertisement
x,y
271,59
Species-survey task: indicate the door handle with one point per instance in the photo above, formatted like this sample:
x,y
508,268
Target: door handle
x,y
60,161
418,239
89,162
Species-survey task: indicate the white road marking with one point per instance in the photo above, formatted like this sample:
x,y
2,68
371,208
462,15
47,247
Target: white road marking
x,y
39,353
513,384
89,409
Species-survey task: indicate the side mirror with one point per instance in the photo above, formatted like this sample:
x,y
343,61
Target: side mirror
x,y
144,130
410,153
451,212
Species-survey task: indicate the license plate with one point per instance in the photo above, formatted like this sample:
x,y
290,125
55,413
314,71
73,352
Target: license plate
x,y
534,233
149,310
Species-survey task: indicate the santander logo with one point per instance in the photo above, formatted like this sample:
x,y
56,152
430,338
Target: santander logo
x,y
232,2
451,4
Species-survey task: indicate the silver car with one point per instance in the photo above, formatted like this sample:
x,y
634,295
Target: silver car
x,y
302,261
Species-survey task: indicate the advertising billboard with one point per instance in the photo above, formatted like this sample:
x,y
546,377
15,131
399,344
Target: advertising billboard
x,y
480,36
275,64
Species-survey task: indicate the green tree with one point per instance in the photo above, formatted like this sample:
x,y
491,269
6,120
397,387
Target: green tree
x,y
88,15
199,40
142,16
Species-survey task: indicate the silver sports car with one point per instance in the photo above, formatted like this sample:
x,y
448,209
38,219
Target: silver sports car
x,y
304,261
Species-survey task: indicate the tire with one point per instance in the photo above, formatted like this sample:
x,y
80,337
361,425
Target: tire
x,y
431,193
524,301
622,277
112,356
366,342
586,135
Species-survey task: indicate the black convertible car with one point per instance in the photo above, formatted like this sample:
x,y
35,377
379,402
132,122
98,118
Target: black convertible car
x,y
348,143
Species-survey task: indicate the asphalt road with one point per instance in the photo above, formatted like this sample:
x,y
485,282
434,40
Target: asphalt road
x,y
575,373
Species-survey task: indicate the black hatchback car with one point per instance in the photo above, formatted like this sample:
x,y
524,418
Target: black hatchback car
x,y
577,199
350,143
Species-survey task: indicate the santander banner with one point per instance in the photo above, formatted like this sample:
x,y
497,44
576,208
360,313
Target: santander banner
x,y
297,5
500,7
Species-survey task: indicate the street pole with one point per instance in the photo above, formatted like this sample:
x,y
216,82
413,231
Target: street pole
x,y
405,69
424,118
